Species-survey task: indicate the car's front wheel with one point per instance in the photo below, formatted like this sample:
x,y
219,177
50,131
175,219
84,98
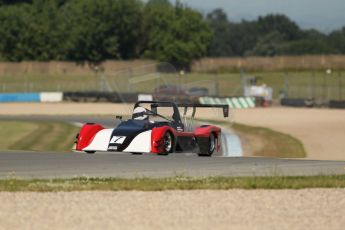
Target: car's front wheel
x,y
168,142
90,152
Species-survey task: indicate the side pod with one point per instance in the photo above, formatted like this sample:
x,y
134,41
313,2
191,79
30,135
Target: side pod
x,y
86,135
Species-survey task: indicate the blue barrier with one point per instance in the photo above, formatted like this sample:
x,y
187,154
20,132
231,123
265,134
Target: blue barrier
x,y
19,97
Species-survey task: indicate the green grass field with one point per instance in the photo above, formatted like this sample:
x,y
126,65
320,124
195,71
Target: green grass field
x,y
175,183
37,136
298,84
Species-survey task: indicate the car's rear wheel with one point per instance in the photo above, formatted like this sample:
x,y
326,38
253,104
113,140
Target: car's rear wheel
x,y
168,142
211,146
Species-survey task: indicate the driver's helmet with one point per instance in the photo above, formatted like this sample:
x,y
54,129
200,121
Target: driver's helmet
x,y
139,113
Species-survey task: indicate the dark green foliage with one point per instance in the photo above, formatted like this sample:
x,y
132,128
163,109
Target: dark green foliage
x,y
270,35
13,2
12,36
306,46
33,32
268,45
279,23
218,22
159,3
175,34
103,29
337,40
93,31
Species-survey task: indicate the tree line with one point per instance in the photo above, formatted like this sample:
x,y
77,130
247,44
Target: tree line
x,y
269,35
93,31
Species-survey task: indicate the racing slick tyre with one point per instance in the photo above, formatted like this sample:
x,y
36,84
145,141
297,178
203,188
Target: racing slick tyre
x,y
168,143
90,152
208,149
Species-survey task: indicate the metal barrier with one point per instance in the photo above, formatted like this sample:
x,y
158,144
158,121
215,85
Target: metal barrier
x,y
20,97
32,97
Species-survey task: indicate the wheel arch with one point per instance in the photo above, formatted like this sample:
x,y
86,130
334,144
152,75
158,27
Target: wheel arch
x,y
86,135
157,136
203,134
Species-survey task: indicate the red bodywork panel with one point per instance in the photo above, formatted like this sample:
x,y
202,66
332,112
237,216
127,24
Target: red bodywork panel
x,y
157,138
158,133
86,135
205,132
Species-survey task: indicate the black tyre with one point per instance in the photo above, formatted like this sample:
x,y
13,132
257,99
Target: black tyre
x,y
168,143
76,138
208,149
90,152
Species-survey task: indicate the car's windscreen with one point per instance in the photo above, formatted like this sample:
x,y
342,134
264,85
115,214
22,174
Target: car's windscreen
x,y
158,113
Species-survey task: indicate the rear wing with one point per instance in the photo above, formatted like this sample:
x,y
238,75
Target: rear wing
x,y
186,106
225,108
189,124
176,116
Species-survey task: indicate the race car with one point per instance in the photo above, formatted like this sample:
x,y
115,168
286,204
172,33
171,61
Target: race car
x,y
155,127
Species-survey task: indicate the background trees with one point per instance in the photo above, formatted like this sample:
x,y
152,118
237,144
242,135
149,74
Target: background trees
x,y
93,31
103,29
269,35
175,34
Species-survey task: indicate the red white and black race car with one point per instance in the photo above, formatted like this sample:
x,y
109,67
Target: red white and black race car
x,y
149,131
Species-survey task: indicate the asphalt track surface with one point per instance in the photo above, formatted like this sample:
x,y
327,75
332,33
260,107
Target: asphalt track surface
x,y
29,165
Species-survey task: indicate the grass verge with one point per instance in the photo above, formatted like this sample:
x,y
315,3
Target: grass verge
x,y
268,142
265,142
37,136
174,183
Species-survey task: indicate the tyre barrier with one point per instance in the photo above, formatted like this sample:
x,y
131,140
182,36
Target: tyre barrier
x,y
99,97
297,102
233,102
123,97
337,104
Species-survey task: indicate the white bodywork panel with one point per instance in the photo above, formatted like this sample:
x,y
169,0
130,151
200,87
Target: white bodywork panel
x,y
141,143
101,141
